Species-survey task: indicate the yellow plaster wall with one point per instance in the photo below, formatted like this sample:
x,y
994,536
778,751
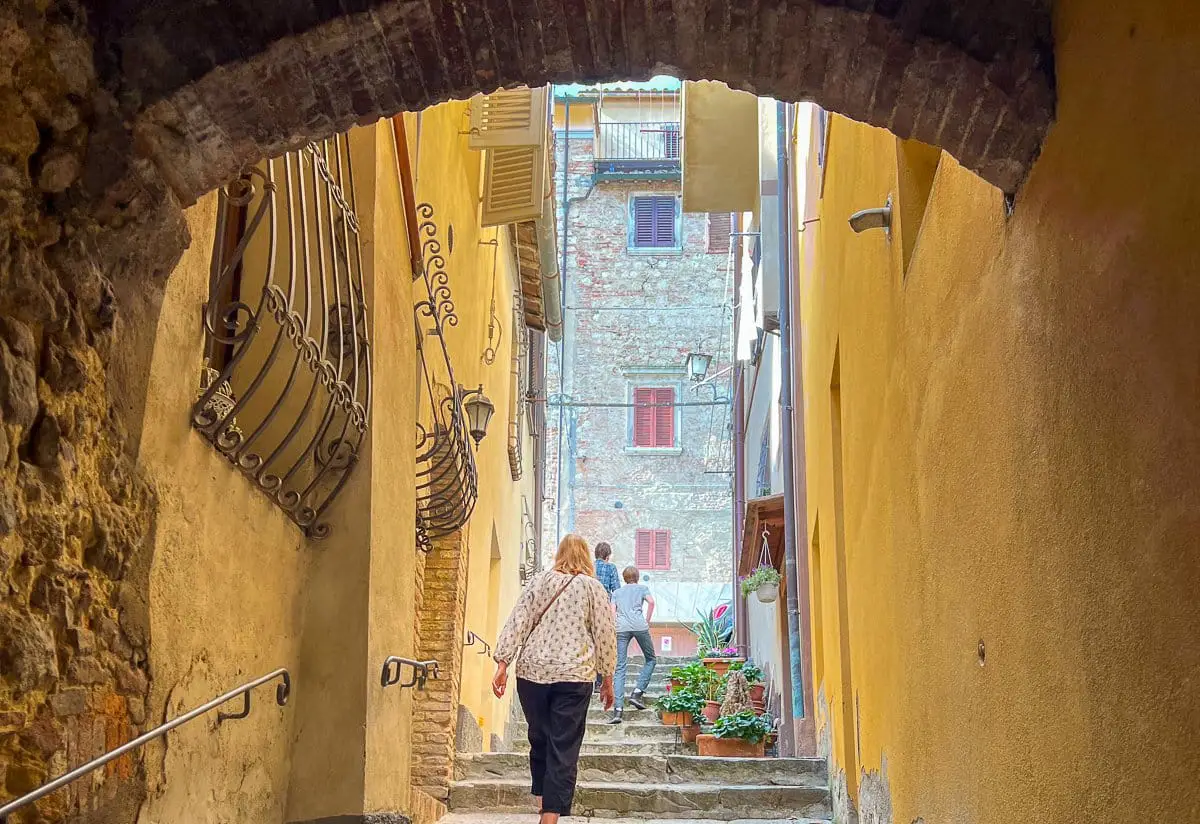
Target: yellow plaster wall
x,y
720,148
226,586
448,177
1020,430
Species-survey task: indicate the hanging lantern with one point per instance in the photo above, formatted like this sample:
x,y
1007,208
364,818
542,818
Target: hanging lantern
x,y
697,365
479,409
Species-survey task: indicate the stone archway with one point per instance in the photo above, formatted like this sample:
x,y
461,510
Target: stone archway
x,y
210,87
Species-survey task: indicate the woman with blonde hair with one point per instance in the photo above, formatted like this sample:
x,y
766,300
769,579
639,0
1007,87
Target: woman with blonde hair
x,y
562,636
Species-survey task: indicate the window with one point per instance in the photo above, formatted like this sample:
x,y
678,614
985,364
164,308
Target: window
x,y
654,417
671,141
720,224
653,549
654,222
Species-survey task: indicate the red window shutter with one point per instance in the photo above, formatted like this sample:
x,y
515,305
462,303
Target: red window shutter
x,y
644,551
643,417
662,549
720,224
664,417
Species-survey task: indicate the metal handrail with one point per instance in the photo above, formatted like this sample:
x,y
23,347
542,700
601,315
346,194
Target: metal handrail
x,y
422,670
282,691
472,638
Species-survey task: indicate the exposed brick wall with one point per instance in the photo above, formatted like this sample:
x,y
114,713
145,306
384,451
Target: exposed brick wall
x,y
627,311
442,616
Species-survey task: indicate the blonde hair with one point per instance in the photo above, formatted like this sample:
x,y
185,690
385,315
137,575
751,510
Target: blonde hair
x,y
573,557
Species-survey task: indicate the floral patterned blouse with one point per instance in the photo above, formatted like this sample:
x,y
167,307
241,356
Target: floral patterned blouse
x,y
576,638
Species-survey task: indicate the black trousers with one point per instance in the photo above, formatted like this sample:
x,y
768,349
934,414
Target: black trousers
x,y
557,718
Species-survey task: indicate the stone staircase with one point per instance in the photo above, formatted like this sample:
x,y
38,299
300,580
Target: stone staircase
x,y
641,771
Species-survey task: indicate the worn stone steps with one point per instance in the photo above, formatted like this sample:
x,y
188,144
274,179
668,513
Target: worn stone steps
x,y
530,818
663,769
607,799
628,731
619,747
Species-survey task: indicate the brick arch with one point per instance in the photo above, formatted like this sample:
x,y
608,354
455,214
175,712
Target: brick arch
x,y
211,86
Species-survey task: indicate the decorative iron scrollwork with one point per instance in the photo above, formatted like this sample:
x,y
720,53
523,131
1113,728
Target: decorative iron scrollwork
x,y
288,397
447,483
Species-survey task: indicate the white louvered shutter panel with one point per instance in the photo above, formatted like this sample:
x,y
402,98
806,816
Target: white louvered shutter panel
x,y
512,117
514,185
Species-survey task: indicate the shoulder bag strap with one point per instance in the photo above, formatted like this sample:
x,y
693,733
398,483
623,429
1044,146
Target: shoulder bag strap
x,y
546,608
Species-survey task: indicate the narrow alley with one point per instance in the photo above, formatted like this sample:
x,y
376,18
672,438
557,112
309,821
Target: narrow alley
x,y
846,352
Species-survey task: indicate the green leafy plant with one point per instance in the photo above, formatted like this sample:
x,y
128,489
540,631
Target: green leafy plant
x,y
747,668
744,725
682,700
764,574
711,634
692,675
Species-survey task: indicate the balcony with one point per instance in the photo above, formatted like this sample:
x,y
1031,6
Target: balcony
x,y
641,150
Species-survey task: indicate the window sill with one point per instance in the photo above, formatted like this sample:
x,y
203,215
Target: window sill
x,y
654,450
658,251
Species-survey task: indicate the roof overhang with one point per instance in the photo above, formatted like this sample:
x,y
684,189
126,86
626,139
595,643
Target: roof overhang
x,y
762,514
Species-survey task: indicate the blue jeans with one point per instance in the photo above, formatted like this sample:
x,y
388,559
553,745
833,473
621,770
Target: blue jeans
x,y
647,644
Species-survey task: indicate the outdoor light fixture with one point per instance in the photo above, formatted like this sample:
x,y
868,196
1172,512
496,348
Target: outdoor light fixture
x,y
697,365
479,410
880,218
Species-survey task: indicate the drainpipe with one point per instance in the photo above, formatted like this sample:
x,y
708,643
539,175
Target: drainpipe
x,y
791,562
562,349
407,189
741,616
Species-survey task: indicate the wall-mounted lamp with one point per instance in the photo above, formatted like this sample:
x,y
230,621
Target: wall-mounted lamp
x,y
880,218
479,409
697,365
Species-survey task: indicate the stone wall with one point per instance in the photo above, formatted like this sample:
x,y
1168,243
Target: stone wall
x,y
441,613
628,311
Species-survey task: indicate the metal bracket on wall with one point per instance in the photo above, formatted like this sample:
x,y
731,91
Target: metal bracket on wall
x,y
393,667
470,642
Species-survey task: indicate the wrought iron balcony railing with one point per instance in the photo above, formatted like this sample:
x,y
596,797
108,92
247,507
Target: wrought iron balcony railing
x,y
286,392
447,483
643,147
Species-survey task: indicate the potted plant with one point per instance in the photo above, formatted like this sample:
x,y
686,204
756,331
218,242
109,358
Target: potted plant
x,y
692,676
720,660
741,735
713,631
755,679
763,582
679,707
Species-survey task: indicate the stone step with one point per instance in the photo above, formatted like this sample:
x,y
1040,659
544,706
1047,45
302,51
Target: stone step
x,y
598,713
728,802
618,747
596,731
663,769
529,818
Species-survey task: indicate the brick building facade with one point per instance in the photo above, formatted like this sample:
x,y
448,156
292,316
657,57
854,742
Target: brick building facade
x,y
645,450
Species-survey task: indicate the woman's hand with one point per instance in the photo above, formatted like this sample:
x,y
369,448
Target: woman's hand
x,y
606,692
500,680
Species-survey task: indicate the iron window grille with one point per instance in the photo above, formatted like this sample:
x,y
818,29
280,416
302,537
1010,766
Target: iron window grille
x,y
286,388
447,481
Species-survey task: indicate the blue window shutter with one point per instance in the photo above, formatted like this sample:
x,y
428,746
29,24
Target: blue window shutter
x,y
664,222
643,221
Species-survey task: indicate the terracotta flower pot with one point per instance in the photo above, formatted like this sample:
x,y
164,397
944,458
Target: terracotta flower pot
x,y
675,684
690,732
758,707
712,711
676,719
758,694
730,747
721,665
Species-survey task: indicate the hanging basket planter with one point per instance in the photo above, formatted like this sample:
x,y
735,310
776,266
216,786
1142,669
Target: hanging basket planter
x,y
768,593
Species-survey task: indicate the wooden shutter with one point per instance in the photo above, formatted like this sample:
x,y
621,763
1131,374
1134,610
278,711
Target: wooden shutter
x,y
643,221
720,224
664,222
662,549
514,185
664,417
643,556
512,117
644,422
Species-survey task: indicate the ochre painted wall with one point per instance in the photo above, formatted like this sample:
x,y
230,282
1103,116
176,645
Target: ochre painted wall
x,y
1019,437
448,177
